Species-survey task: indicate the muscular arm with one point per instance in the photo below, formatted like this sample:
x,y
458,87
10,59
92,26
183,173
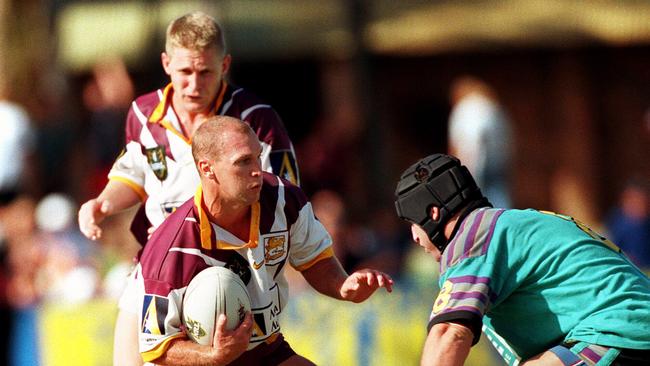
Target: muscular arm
x,y
227,345
119,194
328,277
183,352
447,344
115,197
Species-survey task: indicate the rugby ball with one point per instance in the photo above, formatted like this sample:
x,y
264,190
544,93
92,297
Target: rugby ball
x,y
213,291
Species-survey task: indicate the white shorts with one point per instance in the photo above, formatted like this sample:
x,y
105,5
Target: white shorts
x,y
131,298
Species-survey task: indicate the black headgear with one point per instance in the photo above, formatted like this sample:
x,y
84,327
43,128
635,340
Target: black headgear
x,y
437,180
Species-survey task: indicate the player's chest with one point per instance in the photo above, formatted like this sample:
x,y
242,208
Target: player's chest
x,y
168,158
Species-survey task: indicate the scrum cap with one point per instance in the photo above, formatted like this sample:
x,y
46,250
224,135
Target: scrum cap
x,y
436,180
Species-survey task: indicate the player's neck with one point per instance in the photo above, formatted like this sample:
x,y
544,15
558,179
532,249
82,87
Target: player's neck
x,y
237,223
189,121
450,225
232,216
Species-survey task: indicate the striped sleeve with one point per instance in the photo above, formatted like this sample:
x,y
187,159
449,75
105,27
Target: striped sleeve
x,y
463,300
472,239
467,273
167,267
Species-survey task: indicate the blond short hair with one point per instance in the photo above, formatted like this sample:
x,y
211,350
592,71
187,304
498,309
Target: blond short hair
x,y
208,140
195,31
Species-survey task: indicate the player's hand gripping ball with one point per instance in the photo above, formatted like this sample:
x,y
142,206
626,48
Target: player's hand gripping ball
x,y
213,291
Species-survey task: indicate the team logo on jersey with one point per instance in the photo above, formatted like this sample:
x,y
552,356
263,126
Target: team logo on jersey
x,y
275,247
154,312
265,322
443,297
257,265
157,161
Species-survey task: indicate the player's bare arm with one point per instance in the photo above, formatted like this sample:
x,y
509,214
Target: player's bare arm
x,y
447,344
115,197
328,277
227,345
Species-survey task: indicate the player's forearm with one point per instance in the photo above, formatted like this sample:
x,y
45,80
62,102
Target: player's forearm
x,y
447,344
327,277
183,352
120,196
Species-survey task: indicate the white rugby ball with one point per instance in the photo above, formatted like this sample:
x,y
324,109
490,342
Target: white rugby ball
x,y
213,291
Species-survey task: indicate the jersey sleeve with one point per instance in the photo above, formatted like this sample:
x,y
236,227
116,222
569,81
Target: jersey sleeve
x,y
466,292
166,271
278,155
128,167
160,319
310,241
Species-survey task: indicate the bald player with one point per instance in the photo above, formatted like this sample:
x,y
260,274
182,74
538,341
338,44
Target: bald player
x,y
254,223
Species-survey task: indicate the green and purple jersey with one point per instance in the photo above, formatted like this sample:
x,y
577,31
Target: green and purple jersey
x,y
539,279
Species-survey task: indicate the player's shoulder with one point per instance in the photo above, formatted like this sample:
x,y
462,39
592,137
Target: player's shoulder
x,y
180,228
243,96
274,182
146,103
473,237
522,217
276,188
247,106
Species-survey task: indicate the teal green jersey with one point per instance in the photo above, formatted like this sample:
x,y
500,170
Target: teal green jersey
x,y
538,279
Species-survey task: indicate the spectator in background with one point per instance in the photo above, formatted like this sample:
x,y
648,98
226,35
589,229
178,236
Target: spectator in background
x,y
480,136
629,223
57,147
377,245
329,208
69,273
23,260
107,96
14,146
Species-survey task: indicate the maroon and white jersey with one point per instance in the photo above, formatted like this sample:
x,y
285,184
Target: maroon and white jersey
x,y
157,160
283,229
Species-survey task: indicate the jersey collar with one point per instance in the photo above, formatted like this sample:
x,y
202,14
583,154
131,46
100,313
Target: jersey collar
x,y
207,231
165,102
158,114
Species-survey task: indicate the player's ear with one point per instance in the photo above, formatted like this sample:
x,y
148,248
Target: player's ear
x,y
225,64
205,169
165,60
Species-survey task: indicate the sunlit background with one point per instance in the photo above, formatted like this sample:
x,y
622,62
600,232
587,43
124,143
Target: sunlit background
x,y
363,88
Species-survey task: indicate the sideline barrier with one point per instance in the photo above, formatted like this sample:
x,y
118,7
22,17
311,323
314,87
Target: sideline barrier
x,y
388,329
77,335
